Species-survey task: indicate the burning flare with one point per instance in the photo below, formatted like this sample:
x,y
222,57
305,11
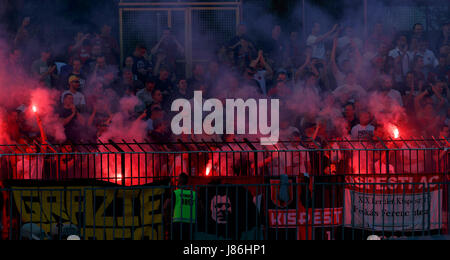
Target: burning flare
x,y
208,168
34,109
395,132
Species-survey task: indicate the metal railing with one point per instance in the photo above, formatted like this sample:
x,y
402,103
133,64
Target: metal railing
x,y
334,190
284,209
138,163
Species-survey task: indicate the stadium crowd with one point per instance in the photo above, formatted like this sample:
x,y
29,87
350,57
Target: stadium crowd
x,y
332,84
320,78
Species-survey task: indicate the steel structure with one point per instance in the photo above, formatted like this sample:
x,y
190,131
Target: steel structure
x,y
139,163
297,190
194,24
319,211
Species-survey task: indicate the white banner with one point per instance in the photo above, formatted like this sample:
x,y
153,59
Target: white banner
x,y
394,206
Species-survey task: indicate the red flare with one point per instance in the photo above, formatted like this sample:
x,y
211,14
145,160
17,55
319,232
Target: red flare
x,y
395,132
208,169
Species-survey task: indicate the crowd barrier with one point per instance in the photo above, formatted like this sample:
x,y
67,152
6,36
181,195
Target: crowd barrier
x,y
131,164
276,209
297,190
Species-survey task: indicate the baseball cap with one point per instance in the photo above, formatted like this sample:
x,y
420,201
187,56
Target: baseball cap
x,y
73,78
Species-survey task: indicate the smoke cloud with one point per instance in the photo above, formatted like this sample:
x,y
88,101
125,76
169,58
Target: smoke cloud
x,y
301,101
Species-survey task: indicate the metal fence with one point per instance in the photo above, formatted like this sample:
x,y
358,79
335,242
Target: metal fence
x,y
193,23
280,210
301,189
399,14
139,163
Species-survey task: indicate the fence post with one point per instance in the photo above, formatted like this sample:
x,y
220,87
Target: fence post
x,y
122,161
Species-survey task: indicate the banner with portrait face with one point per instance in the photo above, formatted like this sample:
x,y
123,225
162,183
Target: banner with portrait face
x,y
229,208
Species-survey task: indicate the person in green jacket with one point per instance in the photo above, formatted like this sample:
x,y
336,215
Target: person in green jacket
x,y
184,210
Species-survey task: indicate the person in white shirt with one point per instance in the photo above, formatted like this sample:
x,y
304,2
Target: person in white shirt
x,y
398,54
340,74
427,54
145,94
401,49
411,53
346,45
387,85
429,59
364,130
78,98
317,41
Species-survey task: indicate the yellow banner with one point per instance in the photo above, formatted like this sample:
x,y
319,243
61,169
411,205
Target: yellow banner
x,y
99,213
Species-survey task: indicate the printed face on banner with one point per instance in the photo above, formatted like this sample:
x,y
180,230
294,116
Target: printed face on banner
x,y
221,209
